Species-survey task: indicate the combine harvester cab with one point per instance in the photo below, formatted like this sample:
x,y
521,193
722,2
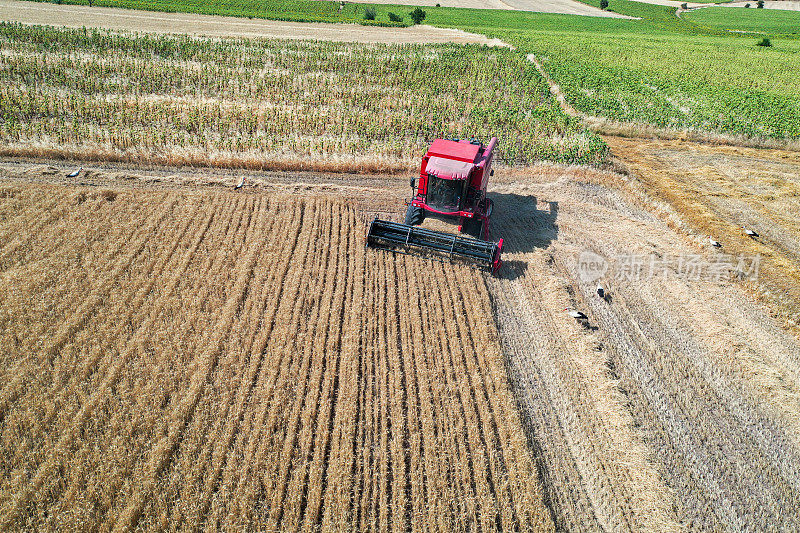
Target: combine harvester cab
x,y
452,185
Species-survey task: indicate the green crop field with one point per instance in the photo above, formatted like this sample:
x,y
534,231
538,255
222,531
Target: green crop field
x,y
770,21
660,70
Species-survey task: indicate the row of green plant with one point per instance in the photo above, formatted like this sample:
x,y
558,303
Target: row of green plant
x,y
82,87
287,10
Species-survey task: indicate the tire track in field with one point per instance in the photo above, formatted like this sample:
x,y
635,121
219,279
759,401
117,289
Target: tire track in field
x,y
82,314
20,499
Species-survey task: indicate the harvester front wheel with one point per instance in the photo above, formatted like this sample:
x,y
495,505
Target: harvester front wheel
x,y
414,215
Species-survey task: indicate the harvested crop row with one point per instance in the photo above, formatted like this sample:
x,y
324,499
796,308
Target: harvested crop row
x,y
241,362
675,405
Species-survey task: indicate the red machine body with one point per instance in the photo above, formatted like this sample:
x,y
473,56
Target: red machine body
x,y
452,183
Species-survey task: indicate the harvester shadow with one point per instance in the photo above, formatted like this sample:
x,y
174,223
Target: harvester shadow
x,y
524,226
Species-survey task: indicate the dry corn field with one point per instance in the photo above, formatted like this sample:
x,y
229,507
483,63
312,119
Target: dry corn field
x,y
269,104
179,359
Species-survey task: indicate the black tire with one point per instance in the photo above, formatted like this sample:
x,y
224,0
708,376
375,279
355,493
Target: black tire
x,y
473,227
414,215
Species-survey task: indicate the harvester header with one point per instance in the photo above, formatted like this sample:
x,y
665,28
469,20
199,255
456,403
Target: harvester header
x,y
451,185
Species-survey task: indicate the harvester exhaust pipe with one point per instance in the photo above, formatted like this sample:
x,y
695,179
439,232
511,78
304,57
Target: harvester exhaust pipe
x,y
404,238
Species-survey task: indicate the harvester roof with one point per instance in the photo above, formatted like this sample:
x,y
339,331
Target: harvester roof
x,y
448,169
460,151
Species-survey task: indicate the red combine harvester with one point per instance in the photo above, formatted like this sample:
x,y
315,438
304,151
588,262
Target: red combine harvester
x,y
452,186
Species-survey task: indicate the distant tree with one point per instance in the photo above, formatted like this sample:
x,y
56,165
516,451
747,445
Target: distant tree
x,y
417,15
395,18
603,4
764,42
684,6
369,13
760,4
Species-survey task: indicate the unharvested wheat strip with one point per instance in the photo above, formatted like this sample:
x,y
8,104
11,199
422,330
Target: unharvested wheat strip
x,y
53,438
464,438
28,225
335,507
163,450
20,499
215,449
132,303
319,401
451,491
347,512
240,476
78,319
504,425
153,314
26,352
205,452
417,402
286,477
400,410
440,484
214,269
335,344
248,430
451,409
201,368
399,404
307,302
293,457
369,448
495,460
486,473
258,360
384,511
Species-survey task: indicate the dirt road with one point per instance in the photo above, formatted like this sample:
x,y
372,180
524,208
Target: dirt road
x,y
214,26
677,403
566,7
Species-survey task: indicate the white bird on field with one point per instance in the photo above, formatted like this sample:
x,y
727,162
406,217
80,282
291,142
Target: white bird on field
x,y
577,315
601,292
714,243
240,183
750,233
75,173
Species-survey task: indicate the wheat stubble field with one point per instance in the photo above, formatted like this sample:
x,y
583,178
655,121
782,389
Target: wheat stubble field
x,y
206,360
